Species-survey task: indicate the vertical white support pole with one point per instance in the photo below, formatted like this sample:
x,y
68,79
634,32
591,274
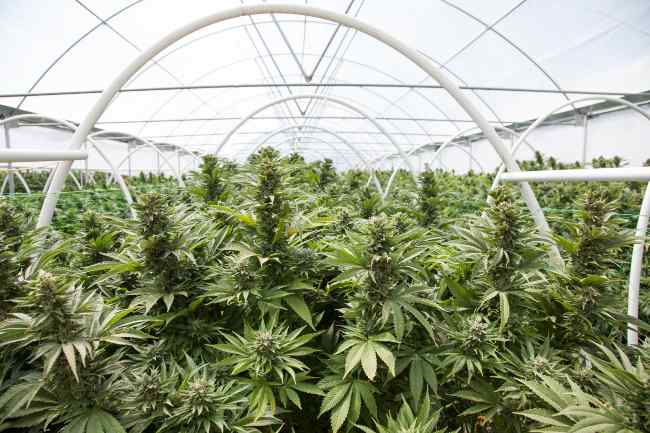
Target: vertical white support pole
x,y
128,152
84,175
470,155
10,173
158,162
178,157
636,267
49,179
4,183
585,139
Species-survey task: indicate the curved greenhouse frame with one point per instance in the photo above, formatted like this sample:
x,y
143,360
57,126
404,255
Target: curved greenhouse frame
x,y
108,94
328,131
14,119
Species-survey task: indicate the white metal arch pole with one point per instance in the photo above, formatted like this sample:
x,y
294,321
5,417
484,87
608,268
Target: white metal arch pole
x,y
182,149
465,151
13,122
118,177
76,181
448,142
48,181
10,173
23,182
540,120
301,128
438,157
300,137
425,64
128,150
196,160
363,160
84,174
636,266
187,151
19,177
106,136
317,96
158,153
296,148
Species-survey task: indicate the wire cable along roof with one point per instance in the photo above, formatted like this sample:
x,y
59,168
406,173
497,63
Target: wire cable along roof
x,y
191,94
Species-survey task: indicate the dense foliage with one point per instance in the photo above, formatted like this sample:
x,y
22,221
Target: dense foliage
x,y
283,296
97,192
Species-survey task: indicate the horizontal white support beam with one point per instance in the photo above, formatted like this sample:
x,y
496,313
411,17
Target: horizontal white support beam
x,y
580,175
28,155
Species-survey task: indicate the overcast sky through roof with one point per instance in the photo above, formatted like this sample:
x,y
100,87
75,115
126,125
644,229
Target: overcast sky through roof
x,y
68,45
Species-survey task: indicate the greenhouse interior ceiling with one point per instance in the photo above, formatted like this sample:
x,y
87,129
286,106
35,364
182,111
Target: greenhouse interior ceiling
x,y
300,216
501,53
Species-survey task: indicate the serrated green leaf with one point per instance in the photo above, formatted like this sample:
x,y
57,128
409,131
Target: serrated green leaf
x,y
369,360
416,378
340,414
298,304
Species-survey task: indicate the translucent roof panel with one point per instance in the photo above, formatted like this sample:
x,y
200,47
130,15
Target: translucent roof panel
x,y
515,60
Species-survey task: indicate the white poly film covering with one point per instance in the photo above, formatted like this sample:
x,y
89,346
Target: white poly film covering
x,y
555,46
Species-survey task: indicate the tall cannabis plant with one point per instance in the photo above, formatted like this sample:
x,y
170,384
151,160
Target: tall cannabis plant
x,y
11,260
591,287
504,256
209,183
269,269
326,173
386,319
430,203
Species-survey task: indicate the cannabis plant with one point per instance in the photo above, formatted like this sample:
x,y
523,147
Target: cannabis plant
x,y
71,342
96,239
503,255
209,183
12,255
590,286
385,323
268,269
309,302
270,359
430,203
620,403
326,173
424,420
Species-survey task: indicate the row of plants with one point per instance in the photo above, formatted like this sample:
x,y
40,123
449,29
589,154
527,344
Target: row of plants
x,y
37,179
279,295
98,194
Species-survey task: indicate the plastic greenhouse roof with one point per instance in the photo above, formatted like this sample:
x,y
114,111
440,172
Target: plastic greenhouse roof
x,y
62,52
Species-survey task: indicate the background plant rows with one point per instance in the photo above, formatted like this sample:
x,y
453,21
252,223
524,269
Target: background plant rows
x,y
280,295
